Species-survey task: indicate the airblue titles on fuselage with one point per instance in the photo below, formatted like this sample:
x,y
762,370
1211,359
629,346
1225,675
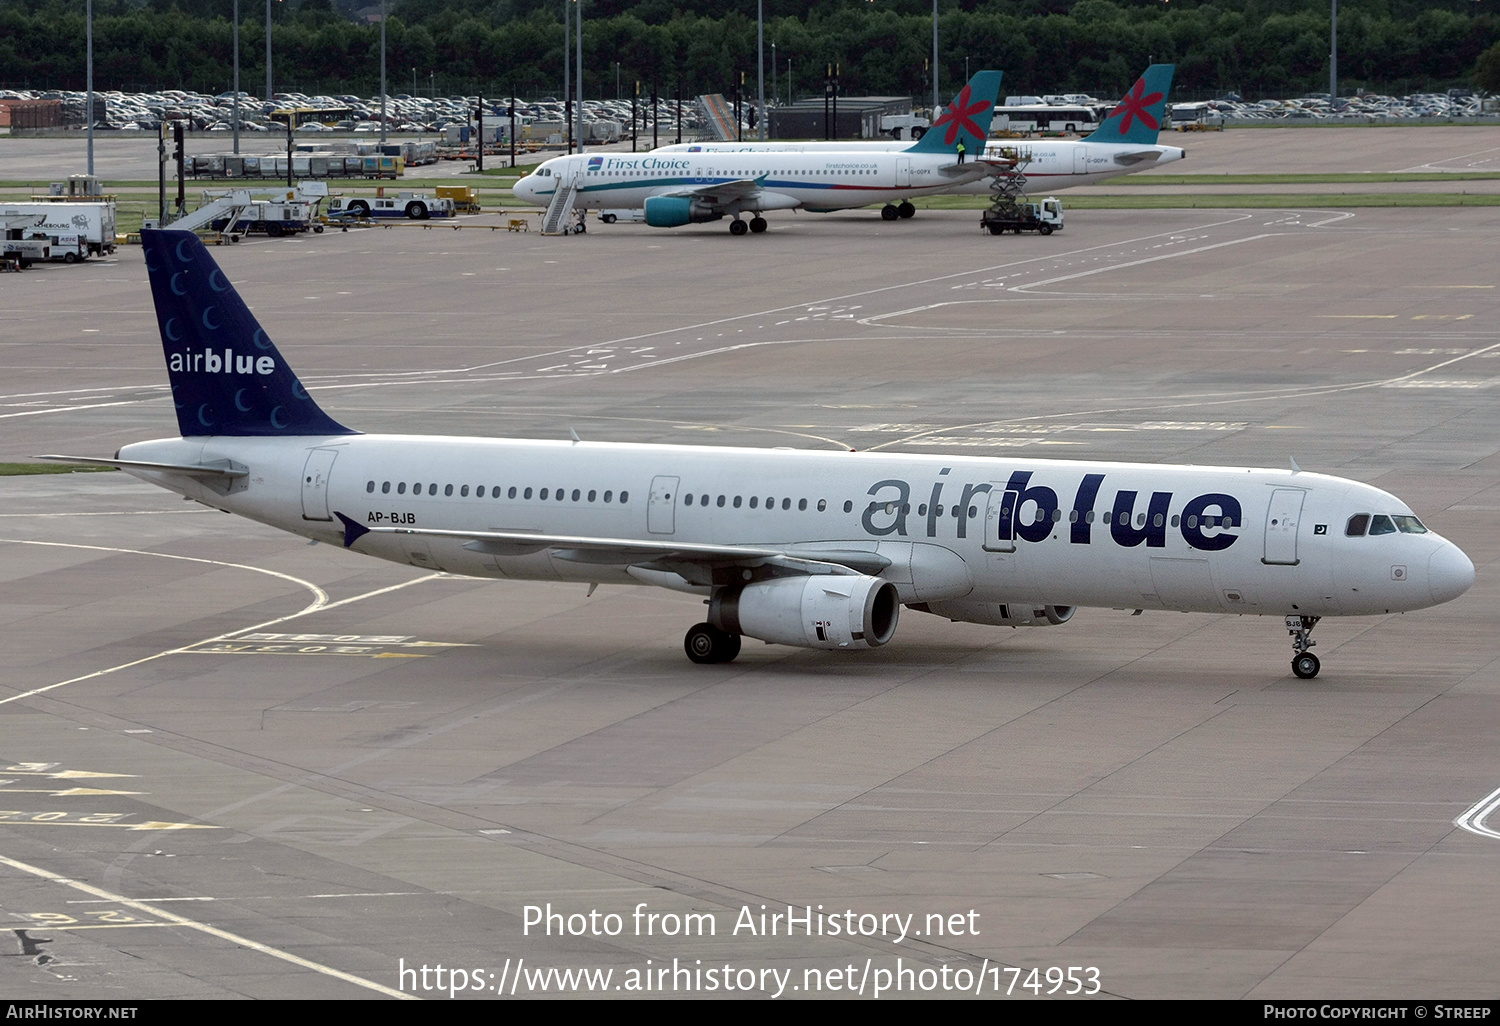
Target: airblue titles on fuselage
x,y
1204,520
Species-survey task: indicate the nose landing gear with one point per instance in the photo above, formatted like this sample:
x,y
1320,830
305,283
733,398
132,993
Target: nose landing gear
x,y
1304,664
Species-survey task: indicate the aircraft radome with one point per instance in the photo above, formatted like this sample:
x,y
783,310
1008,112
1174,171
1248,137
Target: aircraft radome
x,y
815,549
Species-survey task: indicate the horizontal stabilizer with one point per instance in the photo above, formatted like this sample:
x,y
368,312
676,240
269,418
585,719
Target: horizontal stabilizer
x,y
218,468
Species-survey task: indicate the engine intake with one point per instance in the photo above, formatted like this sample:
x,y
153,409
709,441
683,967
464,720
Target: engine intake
x,y
819,611
675,211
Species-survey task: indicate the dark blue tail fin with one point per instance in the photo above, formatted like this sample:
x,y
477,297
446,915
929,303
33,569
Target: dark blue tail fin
x,y
966,120
227,377
1141,112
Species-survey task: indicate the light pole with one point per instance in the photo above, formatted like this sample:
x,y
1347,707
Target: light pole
x,y
934,62
236,77
760,66
1333,57
88,111
382,71
268,50
579,4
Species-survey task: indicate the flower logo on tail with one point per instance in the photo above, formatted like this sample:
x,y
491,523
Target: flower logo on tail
x,y
1135,105
960,114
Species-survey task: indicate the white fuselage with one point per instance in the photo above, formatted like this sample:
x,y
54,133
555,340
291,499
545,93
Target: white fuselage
x,y
1054,163
948,529
785,181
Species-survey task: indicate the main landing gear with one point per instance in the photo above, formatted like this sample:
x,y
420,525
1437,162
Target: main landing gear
x,y
705,643
891,211
757,224
1304,664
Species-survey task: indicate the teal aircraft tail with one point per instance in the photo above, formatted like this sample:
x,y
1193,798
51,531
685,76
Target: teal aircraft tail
x,y
1141,112
966,120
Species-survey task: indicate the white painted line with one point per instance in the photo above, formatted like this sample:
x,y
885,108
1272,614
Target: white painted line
x,y
212,931
319,603
1473,819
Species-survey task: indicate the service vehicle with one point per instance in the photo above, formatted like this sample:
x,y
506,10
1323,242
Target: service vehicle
x,y
417,206
1045,217
92,220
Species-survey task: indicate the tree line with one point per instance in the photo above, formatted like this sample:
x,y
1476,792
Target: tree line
x,y
1252,47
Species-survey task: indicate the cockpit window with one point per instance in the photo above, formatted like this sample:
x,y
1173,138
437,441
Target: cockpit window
x,y
1381,524
1357,525
1409,525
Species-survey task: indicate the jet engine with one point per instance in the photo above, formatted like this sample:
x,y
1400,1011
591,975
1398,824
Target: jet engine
x,y
999,614
818,611
675,211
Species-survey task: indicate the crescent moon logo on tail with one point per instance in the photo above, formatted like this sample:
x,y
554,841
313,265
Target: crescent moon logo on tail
x,y
175,290
239,405
276,419
203,420
210,325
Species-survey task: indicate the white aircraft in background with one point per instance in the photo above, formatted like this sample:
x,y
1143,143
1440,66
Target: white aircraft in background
x,y
674,189
1123,144
812,549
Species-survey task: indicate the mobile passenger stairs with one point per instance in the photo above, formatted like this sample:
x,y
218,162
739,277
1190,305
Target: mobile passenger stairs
x,y
229,209
555,221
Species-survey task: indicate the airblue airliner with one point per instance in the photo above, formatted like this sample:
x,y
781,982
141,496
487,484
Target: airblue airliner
x,y
813,549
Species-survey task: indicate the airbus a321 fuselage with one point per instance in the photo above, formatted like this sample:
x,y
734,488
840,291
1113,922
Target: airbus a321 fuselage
x,y
805,548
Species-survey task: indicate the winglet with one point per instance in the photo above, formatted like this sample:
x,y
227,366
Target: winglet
x,y
1141,112
966,120
353,531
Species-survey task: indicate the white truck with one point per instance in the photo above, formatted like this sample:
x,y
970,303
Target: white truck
x,y
418,206
91,222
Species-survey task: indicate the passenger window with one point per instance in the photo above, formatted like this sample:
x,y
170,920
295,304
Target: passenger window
x,y
1357,525
736,502
370,487
608,494
510,494
848,506
1381,524
432,489
755,502
624,496
822,505
541,495
385,488
401,488
720,502
447,490
592,494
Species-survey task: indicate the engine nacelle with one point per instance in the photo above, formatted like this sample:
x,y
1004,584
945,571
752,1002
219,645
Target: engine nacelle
x,y
1000,614
819,611
675,211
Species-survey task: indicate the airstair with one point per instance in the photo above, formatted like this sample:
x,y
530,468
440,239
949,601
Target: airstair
x,y
555,221
720,116
230,207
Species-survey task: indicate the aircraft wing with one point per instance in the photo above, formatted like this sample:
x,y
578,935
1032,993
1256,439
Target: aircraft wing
x,y
693,561
720,194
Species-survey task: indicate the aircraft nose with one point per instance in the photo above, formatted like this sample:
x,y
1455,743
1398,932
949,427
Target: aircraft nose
x,y
1449,573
